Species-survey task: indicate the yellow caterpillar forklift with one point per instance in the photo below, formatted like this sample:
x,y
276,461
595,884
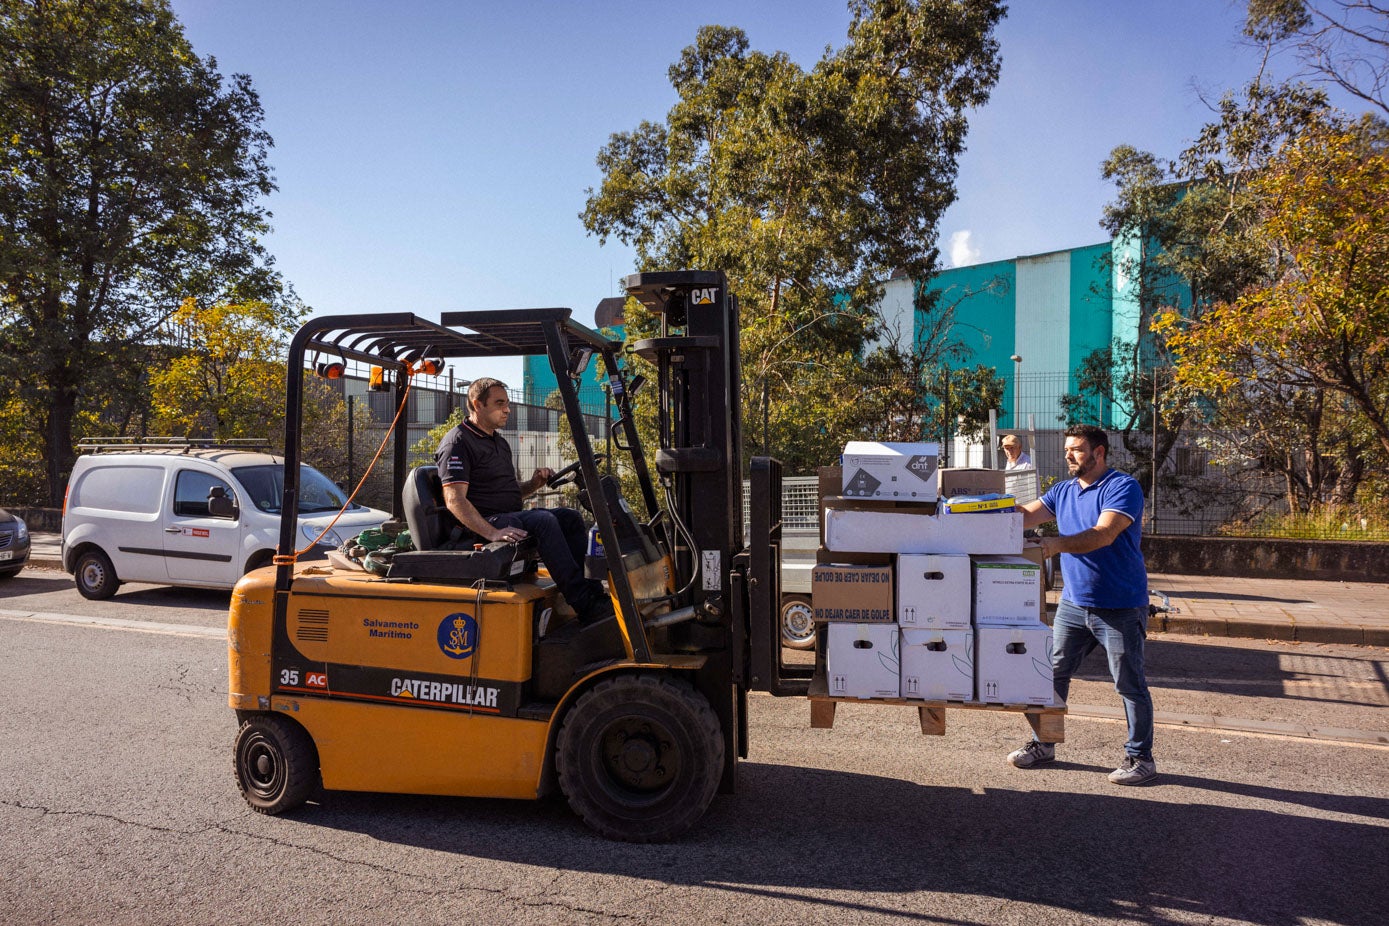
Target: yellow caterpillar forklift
x,y
456,672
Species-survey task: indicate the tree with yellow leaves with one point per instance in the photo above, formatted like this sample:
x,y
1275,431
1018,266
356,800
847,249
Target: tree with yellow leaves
x,y
1323,321
228,382
1318,328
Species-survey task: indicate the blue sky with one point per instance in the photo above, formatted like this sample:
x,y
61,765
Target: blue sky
x,y
434,155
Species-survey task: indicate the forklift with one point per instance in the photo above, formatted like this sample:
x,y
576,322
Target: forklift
x,y
460,672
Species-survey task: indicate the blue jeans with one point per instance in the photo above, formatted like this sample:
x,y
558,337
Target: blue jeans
x,y
562,541
1077,630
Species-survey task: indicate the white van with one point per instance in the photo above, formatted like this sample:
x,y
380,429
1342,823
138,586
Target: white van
x,y
155,513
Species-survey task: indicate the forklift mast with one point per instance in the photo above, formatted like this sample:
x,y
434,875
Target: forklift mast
x,y
699,424
700,430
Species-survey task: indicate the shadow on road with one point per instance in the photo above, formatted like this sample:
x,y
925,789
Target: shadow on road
x,y
164,596
26,584
1218,595
1293,674
1158,856
136,594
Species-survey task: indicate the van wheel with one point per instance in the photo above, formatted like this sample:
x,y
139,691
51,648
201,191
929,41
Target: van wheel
x,y
797,622
96,577
639,757
276,763
258,559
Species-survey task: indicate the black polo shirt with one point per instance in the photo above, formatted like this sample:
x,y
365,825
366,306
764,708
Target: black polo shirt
x,y
469,454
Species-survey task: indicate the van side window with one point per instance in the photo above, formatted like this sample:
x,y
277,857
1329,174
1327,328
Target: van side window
x,y
190,493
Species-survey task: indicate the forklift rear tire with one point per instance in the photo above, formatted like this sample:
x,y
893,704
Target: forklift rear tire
x,y
276,763
797,622
96,577
639,757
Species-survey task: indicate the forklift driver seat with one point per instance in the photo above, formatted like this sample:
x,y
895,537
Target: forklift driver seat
x,y
432,525
446,551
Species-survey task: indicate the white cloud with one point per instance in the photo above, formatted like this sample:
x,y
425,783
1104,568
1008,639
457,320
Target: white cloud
x,y
962,249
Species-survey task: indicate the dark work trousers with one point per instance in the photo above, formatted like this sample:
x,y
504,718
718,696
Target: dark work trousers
x,y
562,541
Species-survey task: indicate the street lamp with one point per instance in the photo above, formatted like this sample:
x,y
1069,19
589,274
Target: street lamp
x,y
1017,390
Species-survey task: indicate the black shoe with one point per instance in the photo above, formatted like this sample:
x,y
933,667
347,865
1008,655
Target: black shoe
x,y
600,610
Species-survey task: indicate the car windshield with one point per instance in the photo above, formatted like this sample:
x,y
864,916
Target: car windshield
x,y
265,486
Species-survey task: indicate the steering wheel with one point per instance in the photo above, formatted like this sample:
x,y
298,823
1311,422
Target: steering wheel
x,y
570,473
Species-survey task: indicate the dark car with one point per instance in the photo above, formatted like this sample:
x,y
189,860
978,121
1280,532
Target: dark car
x,y
14,544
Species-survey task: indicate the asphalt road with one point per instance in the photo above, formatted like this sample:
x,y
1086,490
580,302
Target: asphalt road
x,y
117,804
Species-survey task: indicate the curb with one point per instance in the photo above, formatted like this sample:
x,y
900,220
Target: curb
x,y
1346,634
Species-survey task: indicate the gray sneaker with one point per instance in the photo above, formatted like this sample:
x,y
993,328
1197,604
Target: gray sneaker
x,y
1032,755
1134,771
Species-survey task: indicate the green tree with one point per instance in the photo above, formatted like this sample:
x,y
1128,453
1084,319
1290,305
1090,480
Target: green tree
x,y
1344,43
131,175
808,189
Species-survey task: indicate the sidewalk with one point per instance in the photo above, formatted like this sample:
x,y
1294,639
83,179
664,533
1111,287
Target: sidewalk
x,y
1305,611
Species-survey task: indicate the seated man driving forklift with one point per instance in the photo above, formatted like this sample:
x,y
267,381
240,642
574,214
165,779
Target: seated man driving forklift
x,y
481,490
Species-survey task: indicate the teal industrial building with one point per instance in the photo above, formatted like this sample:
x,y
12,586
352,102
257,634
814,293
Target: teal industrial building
x,y
1034,319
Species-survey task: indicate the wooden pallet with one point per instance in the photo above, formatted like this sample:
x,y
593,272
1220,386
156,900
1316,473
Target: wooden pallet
x,y
1048,722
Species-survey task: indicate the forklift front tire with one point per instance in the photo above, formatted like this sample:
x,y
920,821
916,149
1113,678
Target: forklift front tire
x,y
276,763
639,757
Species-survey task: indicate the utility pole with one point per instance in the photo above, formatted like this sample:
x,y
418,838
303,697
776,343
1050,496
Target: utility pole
x,y
1017,390
1153,474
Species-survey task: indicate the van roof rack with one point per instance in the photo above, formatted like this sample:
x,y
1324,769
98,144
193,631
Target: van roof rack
x,y
186,444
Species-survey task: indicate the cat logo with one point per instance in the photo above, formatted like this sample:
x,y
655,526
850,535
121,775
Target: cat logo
x,y
705,296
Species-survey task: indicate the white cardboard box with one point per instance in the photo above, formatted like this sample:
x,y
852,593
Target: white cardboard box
x,y
1007,589
1013,663
862,661
937,665
899,531
903,472
933,590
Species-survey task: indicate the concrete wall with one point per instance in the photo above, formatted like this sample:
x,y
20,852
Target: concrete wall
x,y
1260,558
40,519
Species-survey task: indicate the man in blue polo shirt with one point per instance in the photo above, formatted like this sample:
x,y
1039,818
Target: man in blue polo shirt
x,y
1104,598
481,490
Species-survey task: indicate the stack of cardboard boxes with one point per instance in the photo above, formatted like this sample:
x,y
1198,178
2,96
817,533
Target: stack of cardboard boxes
x,y
926,600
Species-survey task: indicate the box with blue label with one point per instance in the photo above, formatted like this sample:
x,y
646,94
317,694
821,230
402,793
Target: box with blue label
x,y
901,472
862,661
1013,663
937,665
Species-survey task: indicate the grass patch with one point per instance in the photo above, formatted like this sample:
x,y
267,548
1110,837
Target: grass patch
x,y
1328,523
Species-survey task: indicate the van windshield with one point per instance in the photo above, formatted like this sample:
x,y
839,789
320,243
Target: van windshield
x,y
265,486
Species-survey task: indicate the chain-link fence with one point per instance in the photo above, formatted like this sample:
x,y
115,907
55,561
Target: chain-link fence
x,y
534,432
1206,483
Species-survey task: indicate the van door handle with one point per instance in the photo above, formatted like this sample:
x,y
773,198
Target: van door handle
x,y
173,530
